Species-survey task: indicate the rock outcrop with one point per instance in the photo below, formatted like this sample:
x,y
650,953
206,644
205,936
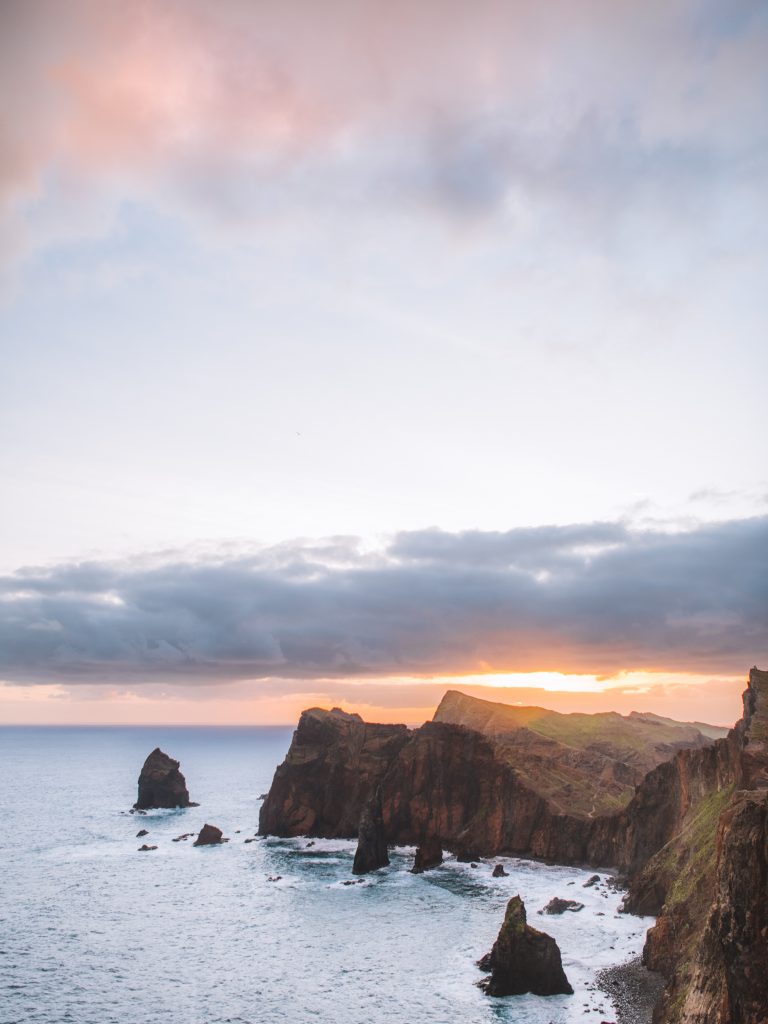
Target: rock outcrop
x,y
559,906
161,784
523,959
371,853
209,835
335,762
429,855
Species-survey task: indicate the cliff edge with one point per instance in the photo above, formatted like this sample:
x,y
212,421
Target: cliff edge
x,y
709,882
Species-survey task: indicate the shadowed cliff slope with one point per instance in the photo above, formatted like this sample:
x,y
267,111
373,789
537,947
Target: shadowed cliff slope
x,y
334,763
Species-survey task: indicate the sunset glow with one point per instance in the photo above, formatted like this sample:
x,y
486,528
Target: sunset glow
x,y
410,700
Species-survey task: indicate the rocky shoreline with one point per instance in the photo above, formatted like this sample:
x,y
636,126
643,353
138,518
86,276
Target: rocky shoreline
x,y
634,990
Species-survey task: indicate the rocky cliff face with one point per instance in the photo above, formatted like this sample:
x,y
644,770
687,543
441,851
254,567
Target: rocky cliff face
x,y
334,763
428,791
709,881
663,804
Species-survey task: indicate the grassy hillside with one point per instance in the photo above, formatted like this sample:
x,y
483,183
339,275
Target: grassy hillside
x,y
583,764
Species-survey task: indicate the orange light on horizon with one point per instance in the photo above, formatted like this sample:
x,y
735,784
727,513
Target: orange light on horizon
x,y
408,699
560,682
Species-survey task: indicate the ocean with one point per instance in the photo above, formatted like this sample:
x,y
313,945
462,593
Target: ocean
x,y
94,932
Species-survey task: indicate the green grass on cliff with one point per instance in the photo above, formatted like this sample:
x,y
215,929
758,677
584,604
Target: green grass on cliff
x,y
634,738
566,788
568,759
687,865
693,851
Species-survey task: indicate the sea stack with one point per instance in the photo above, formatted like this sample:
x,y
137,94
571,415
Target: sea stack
x,y
523,959
161,784
371,852
429,854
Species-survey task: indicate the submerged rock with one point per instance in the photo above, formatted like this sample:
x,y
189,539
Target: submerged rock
x,y
145,849
499,872
591,881
142,832
523,959
209,835
371,852
559,906
161,784
429,854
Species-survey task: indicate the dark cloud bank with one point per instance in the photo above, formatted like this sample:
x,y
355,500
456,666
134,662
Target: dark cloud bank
x,y
588,598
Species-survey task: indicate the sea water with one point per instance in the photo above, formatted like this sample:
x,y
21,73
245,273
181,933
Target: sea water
x,y
94,932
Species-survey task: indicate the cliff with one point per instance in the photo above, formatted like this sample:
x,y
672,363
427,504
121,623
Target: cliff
x,y
336,760
584,765
332,768
527,794
709,881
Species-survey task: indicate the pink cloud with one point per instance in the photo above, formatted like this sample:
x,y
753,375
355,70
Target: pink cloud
x,y
451,102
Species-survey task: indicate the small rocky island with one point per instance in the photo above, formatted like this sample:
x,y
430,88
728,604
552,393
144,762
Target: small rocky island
x,y
523,959
209,835
161,784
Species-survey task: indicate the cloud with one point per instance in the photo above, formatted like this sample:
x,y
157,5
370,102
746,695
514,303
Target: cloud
x,y
245,110
596,598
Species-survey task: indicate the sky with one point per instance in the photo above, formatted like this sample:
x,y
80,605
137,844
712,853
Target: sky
x,y
353,351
